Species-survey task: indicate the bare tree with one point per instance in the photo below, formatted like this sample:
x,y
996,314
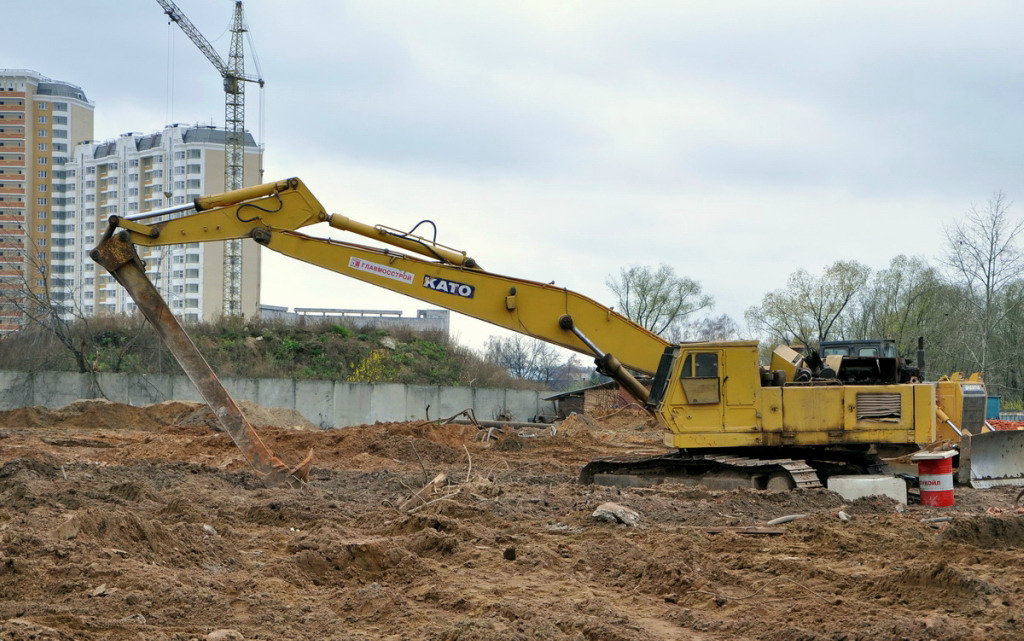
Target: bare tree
x,y
809,310
30,294
525,358
903,301
657,299
982,254
708,328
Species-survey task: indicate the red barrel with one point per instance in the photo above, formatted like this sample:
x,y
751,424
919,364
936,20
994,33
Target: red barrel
x,y
935,478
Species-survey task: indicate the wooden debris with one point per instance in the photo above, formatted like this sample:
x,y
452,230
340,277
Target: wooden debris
x,y
418,497
751,530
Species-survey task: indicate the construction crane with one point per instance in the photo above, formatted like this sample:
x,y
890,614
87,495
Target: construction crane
x,y
234,76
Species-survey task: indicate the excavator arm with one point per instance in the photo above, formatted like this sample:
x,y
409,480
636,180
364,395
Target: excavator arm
x,y
271,214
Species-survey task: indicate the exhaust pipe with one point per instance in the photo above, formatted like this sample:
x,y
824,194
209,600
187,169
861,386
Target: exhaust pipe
x,y
920,357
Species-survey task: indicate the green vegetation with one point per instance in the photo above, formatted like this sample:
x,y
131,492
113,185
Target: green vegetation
x,y
263,350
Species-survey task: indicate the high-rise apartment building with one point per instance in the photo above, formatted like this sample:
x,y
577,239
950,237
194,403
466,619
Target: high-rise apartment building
x,y
58,187
137,173
40,122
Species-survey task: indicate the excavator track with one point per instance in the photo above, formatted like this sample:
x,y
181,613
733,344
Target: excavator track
x,y
764,473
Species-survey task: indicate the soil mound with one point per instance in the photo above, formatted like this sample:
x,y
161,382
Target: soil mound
x,y
989,532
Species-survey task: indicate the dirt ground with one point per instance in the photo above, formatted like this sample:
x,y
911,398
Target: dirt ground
x,y
141,523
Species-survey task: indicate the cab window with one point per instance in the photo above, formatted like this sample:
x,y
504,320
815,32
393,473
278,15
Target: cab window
x,y
867,351
700,366
705,366
837,351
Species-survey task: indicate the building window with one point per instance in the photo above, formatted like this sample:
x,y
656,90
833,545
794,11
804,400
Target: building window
x,y
193,184
60,106
60,120
192,288
195,169
193,258
41,201
42,133
42,147
42,173
179,155
191,273
60,133
43,160
41,242
41,187
41,228
42,105
194,153
43,120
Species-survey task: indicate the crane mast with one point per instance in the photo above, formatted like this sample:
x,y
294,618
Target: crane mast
x,y
233,74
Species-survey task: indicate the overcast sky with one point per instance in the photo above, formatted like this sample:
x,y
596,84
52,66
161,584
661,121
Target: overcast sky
x,y
556,140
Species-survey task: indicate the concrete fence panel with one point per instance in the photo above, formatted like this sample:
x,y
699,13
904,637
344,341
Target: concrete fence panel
x,y
325,403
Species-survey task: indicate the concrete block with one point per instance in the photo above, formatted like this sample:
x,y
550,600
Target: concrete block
x,y
315,401
146,389
276,392
387,402
418,397
15,390
452,400
242,389
351,404
854,486
57,389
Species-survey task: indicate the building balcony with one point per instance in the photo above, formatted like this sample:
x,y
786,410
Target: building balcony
x,y
11,107
10,204
12,121
11,135
9,149
12,163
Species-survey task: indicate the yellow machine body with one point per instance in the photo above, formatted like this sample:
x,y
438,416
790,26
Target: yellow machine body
x,y
716,399
705,395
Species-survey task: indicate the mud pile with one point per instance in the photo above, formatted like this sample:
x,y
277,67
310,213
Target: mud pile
x,y
156,529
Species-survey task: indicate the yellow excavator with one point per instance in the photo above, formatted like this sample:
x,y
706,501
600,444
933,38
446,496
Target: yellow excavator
x,y
724,414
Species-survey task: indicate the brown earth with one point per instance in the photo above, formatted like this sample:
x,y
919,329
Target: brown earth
x,y
140,523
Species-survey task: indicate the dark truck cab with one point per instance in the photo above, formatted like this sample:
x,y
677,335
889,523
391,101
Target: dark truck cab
x,y
871,361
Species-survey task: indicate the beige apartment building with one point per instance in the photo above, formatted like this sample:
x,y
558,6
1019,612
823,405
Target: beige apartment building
x,y
58,187
40,122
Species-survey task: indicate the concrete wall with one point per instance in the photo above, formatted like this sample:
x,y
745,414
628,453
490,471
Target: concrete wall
x,y
325,403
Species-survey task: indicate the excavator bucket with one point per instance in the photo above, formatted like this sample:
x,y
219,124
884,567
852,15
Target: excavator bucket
x,y
992,459
116,253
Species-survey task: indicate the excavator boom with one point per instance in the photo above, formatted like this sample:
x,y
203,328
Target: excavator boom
x,y
272,213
